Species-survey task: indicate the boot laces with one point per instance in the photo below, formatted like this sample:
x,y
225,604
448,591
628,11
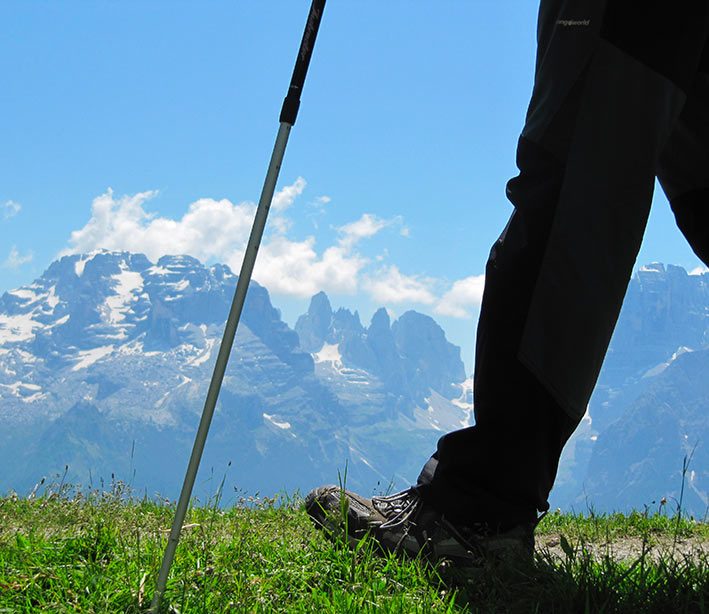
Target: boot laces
x,y
398,509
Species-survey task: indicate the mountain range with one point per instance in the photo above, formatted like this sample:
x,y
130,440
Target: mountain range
x,y
105,360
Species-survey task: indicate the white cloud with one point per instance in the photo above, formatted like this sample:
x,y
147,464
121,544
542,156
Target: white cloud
x,y
209,230
280,225
217,231
389,285
320,202
14,261
11,209
285,197
465,294
317,208
294,268
364,228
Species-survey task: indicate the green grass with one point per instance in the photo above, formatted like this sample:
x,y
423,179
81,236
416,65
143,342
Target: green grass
x,y
95,551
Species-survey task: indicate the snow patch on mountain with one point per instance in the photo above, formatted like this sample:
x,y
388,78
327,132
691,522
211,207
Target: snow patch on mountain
x,y
133,347
127,284
653,267
443,414
80,264
85,358
329,353
24,293
51,298
358,377
159,270
26,392
203,356
465,400
280,425
60,321
161,400
25,357
17,328
329,361
657,369
16,387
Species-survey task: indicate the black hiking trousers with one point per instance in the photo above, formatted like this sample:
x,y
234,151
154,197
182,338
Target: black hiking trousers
x,y
621,96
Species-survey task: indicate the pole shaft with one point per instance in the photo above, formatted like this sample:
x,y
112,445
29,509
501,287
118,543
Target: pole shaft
x,y
237,305
288,115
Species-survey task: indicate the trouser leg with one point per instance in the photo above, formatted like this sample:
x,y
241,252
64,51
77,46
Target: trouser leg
x,y
502,469
511,454
684,165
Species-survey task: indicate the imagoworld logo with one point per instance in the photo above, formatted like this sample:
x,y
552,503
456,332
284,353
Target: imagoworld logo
x,y
567,23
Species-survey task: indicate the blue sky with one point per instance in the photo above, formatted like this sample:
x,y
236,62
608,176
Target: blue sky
x,y
148,126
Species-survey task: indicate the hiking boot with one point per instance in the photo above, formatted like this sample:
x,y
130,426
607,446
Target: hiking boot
x,y
404,524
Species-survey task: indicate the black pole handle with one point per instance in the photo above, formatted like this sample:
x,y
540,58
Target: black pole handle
x,y
289,110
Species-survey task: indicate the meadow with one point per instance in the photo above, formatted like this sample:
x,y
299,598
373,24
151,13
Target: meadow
x,y
68,549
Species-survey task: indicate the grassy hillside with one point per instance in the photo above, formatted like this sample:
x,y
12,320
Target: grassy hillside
x,y
68,550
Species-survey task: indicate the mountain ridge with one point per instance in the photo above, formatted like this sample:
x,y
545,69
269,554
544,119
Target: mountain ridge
x,y
108,352
106,357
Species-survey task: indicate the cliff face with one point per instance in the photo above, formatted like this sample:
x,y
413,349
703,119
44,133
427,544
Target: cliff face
x,y
664,311
410,357
660,442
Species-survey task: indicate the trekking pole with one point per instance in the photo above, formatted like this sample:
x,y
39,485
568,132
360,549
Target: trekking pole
x,y
289,111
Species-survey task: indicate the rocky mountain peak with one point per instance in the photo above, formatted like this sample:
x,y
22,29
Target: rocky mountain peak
x,y
313,327
380,324
345,322
410,357
425,349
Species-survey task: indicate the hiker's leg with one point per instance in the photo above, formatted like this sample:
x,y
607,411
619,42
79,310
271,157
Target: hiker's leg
x,y
684,165
502,469
514,447
575,223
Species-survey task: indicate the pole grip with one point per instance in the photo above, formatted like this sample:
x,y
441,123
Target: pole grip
x,y
291,103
